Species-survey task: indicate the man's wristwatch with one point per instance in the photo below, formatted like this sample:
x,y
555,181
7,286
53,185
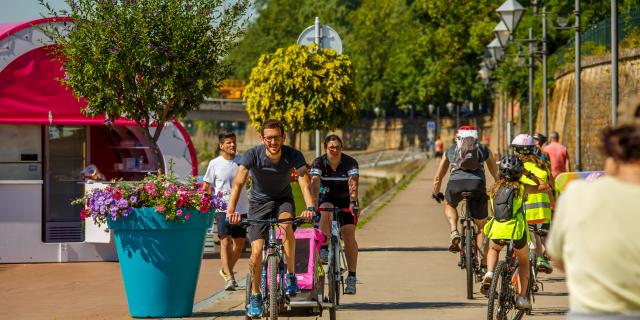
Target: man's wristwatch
x,y
313,209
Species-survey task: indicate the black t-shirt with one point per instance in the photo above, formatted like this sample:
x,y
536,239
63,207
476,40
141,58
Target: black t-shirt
x,y
271,182
334,184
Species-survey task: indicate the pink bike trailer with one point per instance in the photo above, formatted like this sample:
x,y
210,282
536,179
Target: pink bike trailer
x,y
308,242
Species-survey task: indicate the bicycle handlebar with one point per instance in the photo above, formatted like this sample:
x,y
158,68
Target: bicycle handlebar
x,y
334,209
296,220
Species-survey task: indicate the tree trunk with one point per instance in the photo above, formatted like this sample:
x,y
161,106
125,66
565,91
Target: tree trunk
x,y
155,150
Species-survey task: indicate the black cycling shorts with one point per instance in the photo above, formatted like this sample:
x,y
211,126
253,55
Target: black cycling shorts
x,y
225,229
479,204
344,218
517,243
267,210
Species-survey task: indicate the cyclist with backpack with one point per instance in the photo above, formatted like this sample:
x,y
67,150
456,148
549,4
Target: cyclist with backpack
x,y
508,222
538,206
467,175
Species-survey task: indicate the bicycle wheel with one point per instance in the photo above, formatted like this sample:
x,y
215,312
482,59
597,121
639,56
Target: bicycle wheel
x,y
247,295
501,303
468,252
274,285
336,268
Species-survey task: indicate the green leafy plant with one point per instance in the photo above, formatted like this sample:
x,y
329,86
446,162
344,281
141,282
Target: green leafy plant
x,y
303,87
149,61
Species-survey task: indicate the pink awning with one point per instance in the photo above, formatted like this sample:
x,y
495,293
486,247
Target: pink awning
x,y
31,93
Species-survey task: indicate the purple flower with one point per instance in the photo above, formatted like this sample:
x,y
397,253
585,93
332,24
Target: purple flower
x,y
163,68
149,46
133,199
113,49
155,14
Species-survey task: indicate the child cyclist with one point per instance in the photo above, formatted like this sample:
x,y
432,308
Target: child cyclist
x,y
508,222
537,206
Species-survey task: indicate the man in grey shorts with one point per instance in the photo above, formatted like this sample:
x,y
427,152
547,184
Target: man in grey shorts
x,y
270,165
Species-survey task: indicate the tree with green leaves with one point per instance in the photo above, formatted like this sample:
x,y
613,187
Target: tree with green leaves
x,y
303,87
149,61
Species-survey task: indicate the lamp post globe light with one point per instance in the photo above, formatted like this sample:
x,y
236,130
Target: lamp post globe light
x,y
502,34
495,49
511,12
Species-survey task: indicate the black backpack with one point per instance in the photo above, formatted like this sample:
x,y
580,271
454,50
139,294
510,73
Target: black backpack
x,y
503,203
468,154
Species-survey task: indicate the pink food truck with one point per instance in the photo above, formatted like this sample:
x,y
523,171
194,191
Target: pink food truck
x,y
45,143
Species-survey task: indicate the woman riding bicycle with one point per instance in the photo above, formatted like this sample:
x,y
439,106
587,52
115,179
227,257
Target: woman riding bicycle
x,y
334,183
537,206
507,197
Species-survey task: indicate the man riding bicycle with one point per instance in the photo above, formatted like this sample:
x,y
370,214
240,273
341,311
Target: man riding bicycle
x,y
270,165
467,175
334,183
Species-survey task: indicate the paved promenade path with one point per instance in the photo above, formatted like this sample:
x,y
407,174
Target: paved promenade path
x,y
406,272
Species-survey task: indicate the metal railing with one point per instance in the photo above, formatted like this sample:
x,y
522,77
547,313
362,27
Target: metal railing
x,y
596,40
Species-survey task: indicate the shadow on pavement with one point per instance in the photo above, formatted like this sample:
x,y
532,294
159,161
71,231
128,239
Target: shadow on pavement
x,y
406,305
403,249
553,279
550,311
552,294
209,315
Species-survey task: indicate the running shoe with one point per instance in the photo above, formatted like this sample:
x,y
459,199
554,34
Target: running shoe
x,y
455,241
523,303
543,265
292,284
350,288
254,308
224,276
486,283
230,285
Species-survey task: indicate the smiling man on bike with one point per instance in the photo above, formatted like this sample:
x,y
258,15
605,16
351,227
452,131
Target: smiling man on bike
x,y
467,175
334,182
270,165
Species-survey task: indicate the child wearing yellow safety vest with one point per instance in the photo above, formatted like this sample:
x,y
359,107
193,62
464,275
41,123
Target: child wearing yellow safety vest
x,y
538,206
508,222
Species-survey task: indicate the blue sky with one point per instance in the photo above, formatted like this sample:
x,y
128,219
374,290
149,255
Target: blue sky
x,y
22,10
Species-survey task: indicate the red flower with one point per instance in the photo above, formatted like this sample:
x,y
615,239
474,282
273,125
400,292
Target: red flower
x,y
83,214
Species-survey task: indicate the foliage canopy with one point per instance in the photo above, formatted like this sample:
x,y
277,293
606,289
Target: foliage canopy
x,y
303,87
150,61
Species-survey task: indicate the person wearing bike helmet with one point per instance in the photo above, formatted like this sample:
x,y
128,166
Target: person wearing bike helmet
x,y
334,183
537,206
467,159
508,222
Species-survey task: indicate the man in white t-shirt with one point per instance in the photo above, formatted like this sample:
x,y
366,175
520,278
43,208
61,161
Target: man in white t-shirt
x,y
220,174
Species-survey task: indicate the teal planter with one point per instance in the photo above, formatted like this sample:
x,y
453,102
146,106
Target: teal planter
x,y
160,261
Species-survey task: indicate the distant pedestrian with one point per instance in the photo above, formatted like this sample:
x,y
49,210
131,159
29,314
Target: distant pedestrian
x,y
220,174
558,155
439,148
593,230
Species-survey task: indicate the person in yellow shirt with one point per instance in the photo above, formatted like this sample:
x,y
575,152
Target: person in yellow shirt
x,y
538,206
508,222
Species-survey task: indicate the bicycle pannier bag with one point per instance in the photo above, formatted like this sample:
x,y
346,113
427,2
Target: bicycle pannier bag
x,y
503,203
467,154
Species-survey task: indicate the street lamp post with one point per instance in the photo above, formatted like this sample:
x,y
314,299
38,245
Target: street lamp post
x,y
578,71
531,62
614,62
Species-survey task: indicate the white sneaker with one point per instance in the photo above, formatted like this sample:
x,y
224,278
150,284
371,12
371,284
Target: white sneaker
x,y
523,303
230,285
486,283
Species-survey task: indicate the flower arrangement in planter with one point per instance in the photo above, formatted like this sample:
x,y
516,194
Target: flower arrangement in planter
x,y
159,225
168,195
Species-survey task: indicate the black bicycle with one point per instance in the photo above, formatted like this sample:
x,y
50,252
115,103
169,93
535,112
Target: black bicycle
x,y
272,282
337,262
469,257
503,290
